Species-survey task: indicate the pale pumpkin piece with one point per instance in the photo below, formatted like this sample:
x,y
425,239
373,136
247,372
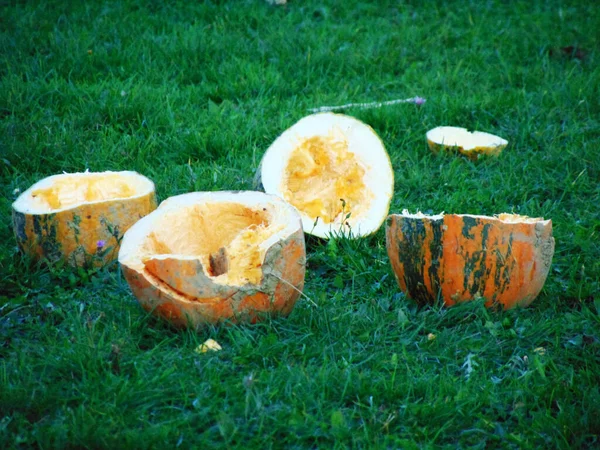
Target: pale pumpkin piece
x,y
206,257
470,144
210,345
461,257
80,217
334,170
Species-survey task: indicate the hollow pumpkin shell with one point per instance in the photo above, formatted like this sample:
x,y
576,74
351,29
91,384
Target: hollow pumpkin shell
x,y
458,258
207,257
80,217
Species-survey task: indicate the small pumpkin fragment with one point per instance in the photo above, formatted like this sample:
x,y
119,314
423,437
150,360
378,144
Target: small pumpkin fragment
x,y
470,144
80,217
206,257
461,257
210,345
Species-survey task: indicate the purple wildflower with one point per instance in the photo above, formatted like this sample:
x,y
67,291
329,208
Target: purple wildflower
x,y
419,100
100,244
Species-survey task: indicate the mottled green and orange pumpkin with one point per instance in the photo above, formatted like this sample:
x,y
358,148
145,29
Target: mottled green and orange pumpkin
x,y
80,217
460,257
207,257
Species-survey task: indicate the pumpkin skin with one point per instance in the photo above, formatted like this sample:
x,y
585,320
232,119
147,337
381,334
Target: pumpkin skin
x,y
87,232
458,258
182,291
473,154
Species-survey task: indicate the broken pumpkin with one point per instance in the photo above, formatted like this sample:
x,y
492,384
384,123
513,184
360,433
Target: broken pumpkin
x,y
461,257
206,257
335,171
470,144
80,217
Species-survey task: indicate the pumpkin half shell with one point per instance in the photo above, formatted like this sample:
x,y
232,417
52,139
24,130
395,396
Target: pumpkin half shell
x,y
460,257
80,217
470,144
206,257
335,171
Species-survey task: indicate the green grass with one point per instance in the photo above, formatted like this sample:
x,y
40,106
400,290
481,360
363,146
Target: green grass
x,y
191,94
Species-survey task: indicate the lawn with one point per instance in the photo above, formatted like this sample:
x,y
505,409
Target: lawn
x,y
191,94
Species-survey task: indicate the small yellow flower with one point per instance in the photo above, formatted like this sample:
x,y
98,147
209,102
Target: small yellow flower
x,y
431,337
540,351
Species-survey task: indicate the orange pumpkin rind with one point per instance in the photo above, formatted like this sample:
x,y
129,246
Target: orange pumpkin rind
x,y
460,257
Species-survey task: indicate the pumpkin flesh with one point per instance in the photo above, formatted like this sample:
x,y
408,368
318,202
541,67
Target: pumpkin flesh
x,y
71,190
320,172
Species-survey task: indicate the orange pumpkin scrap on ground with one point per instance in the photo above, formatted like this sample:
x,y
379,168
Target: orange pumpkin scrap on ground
x,y
460,257
205,257
80,217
